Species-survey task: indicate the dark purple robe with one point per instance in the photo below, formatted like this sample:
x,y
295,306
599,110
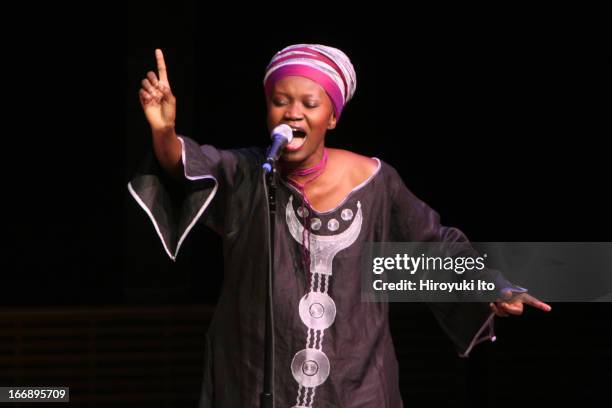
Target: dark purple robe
x,y
331,348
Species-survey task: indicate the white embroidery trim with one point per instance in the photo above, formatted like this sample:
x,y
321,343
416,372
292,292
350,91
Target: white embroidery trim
x,y
195,219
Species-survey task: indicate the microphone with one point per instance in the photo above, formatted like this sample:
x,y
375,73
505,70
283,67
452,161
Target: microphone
x,y
281,136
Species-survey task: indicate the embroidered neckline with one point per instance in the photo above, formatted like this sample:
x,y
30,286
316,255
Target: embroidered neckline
x,y
348,195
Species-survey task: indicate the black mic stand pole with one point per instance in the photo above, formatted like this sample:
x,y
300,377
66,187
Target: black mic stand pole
x,y
266,399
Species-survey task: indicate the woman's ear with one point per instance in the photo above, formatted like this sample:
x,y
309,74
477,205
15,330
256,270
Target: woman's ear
x,y
332,122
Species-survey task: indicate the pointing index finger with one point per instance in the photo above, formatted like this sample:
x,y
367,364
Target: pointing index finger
x,y
161,66
532,301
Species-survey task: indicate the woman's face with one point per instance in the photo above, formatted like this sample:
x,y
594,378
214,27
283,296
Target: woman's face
x,y
305,106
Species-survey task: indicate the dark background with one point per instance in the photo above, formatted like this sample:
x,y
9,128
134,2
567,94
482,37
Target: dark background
x,y
498,123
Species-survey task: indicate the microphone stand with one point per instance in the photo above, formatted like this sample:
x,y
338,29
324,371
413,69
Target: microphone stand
x,y
266,398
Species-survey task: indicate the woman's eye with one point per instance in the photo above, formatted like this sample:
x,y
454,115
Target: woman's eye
x,y
311,104
279,103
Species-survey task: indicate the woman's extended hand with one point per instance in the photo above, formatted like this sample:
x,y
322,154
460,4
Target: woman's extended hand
x,y
513,305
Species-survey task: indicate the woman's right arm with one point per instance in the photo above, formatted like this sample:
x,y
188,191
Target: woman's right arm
x,y
159,106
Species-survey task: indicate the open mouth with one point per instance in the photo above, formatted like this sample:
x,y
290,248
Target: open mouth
x,y
299,138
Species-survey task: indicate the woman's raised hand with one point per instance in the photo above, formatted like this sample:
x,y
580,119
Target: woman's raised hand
x,y
156,98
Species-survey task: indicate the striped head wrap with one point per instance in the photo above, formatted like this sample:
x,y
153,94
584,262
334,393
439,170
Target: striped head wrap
x,y
327,66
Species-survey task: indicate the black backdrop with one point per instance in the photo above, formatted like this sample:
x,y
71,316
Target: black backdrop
x,y
498,125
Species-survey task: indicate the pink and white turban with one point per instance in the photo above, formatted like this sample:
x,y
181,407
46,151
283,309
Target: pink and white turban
x,y
327,66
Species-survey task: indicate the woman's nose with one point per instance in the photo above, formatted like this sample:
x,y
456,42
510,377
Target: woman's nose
x,y
293,112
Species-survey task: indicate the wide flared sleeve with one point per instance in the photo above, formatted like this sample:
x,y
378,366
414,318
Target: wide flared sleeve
x,y
466,323
211,175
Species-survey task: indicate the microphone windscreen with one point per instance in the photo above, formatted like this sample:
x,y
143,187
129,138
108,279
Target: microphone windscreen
x,y
284,131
